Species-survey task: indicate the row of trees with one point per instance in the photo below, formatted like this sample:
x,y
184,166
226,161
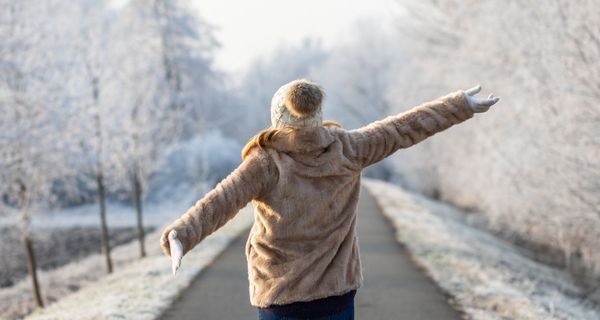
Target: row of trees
x,y
530,166
90,97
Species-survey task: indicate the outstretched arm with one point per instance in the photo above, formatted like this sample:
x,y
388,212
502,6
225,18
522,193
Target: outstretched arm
x,y
380,139
253,177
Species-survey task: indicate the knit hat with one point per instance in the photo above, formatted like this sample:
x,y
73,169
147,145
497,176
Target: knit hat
x,y
297,104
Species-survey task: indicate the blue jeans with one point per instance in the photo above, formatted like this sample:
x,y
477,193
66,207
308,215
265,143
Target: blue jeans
x,y
346,314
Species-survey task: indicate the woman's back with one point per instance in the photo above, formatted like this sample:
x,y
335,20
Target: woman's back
x,y
303,243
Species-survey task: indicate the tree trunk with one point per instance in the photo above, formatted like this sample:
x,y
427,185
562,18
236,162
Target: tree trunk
x,y
137,190
32,269
103,227
31,265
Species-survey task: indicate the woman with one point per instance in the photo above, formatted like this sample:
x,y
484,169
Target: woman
x,y
303,178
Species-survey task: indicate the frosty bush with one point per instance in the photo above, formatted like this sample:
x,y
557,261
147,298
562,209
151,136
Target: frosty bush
x,y
205,159
531,164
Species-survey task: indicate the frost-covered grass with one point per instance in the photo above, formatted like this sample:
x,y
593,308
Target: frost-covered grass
x,y
143,289
54,248
487,277
16,301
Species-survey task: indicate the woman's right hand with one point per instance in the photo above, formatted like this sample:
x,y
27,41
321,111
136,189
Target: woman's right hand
x,y
176,250
175,242
173,246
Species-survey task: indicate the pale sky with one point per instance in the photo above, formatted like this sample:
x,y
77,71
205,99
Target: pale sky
x,y
248,29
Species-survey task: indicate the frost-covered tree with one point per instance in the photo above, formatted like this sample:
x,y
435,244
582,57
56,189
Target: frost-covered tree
x,y
138,101
31,158
94,129
162,53
531,168
186,49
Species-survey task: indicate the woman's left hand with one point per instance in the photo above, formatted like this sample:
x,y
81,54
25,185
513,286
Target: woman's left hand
x,y
479,105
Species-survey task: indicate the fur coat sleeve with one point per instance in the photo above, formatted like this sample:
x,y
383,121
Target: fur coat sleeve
x,y
380,139
254,176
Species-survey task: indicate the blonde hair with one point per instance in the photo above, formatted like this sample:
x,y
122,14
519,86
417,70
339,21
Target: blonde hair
x,y
264,138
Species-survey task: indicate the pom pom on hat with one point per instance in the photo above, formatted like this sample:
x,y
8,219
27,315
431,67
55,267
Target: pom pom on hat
x,y
303,98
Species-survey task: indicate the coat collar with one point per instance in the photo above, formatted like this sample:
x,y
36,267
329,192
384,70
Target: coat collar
x,y
303,140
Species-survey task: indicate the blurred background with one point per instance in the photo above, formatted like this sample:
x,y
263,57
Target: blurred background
x,y
115,116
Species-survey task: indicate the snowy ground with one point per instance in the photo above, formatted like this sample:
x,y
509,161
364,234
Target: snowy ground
x,y
16,301
143,289
487,278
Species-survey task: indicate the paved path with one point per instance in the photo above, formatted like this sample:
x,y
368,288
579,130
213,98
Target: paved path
x,y
393,288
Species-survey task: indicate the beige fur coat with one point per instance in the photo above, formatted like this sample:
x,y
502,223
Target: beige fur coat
x,y
304,188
